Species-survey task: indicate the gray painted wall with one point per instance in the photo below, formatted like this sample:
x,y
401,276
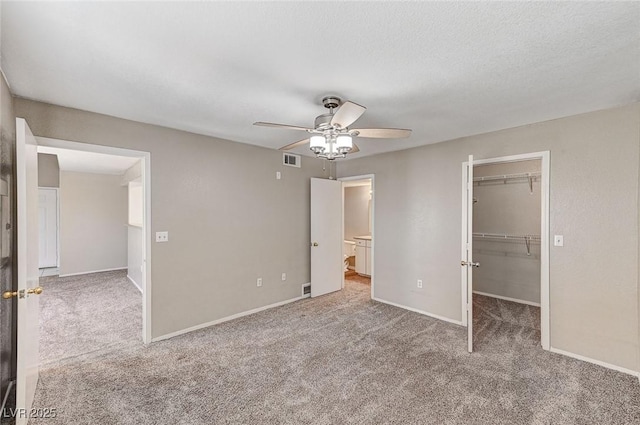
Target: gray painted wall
x,y
594,204
48,170
133,173
507,208
356,211
229,220
93,218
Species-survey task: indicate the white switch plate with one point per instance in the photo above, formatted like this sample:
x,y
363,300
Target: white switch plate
x,y
162,236
419,283
558,240
278,175
284,276
259,282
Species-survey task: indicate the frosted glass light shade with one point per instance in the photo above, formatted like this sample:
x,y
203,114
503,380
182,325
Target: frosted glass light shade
x,y
317,144
344,143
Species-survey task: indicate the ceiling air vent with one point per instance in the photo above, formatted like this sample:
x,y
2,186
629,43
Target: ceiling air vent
x,y
291,160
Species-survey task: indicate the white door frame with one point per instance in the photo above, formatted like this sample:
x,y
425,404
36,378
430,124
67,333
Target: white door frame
x,y
57,190
373,221
145,158
544,156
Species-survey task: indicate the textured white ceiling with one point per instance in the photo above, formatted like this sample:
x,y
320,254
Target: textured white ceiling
x,y
443,69
90,162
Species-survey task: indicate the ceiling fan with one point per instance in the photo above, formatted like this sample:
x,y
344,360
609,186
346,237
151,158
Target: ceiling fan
x,y
331,136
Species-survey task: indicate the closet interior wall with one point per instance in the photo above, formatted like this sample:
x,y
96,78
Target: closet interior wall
x,y
510,207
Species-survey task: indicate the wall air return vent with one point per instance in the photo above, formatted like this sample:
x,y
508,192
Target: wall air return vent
x,y
291,160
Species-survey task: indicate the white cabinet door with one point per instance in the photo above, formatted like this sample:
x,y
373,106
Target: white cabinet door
x,y
361,259
368,261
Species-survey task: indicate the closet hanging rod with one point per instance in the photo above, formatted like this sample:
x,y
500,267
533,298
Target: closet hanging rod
x,y
505,236
519,176
526,238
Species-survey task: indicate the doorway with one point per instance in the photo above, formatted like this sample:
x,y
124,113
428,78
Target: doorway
x,y
358,231
104,221
505,283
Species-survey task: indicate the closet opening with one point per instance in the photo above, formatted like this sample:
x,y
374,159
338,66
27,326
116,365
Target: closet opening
x,y
507,295
506,233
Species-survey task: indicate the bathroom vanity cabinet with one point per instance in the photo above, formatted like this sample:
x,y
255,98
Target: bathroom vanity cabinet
x,y
363,255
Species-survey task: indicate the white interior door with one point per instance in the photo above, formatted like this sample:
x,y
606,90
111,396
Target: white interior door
x,y
28,289
467,250
48,226
326,236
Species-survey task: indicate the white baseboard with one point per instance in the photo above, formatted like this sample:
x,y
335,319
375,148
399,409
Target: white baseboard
x,y
93,271
415,310
500,297
134,283
224,319
594,361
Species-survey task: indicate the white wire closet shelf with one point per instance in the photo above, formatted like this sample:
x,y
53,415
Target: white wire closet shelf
x,y
527,239
524,177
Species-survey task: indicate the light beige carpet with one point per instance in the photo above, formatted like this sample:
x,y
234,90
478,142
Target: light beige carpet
x,y
88,313
339,359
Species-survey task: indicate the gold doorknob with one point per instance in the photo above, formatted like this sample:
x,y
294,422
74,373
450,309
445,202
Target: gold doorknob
x,y
9,294
315,244
37,290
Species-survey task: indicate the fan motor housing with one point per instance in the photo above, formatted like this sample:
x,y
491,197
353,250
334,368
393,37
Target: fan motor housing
x,y
323,121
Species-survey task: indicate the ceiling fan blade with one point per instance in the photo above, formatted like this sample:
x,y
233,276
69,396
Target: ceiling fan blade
x,y
347,114
354,148
383,133
272,124
294,145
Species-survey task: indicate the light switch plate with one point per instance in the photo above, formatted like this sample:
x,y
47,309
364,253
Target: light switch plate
x,y
162,236
558,240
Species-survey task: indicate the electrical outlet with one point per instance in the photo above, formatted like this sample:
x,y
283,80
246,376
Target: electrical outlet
x,y
162,236
259,282
419,283
284,276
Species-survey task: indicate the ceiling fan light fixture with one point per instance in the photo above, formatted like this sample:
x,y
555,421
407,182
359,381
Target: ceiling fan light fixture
x,y
332,136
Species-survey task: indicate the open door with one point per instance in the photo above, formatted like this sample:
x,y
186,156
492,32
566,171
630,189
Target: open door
x,y
28,305
326,236
467,250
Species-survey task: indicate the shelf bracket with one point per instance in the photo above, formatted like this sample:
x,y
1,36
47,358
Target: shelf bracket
x,y
527,242
530,184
